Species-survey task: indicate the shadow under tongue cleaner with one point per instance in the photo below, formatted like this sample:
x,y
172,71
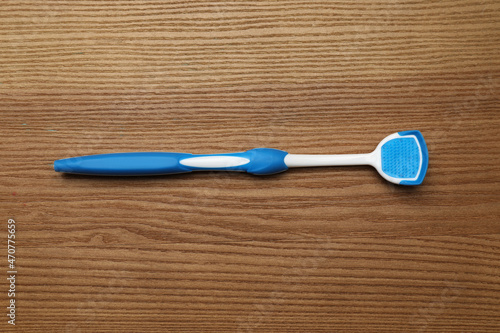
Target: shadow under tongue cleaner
x,y
401,158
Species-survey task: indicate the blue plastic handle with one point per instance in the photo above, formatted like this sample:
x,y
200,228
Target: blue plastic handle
x,y
262,161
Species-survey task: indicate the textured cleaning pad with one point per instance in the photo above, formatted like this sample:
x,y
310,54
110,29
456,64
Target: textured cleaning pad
x,y
401,158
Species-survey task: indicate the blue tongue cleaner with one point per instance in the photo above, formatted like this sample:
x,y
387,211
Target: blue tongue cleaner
x,y
401,158
405,158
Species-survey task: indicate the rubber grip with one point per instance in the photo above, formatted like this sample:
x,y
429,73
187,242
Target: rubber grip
x,y
261,161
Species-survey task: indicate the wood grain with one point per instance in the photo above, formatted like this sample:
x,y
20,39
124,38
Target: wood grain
x,y
311,250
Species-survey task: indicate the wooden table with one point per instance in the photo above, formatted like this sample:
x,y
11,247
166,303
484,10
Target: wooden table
x,y
323,249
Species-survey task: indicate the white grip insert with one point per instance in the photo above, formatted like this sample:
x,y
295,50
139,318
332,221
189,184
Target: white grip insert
x,y
211,162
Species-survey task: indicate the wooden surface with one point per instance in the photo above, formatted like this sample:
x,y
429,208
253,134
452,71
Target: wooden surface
x,y
325,249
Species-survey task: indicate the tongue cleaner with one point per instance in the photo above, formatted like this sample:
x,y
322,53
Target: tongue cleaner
x,y
400,158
